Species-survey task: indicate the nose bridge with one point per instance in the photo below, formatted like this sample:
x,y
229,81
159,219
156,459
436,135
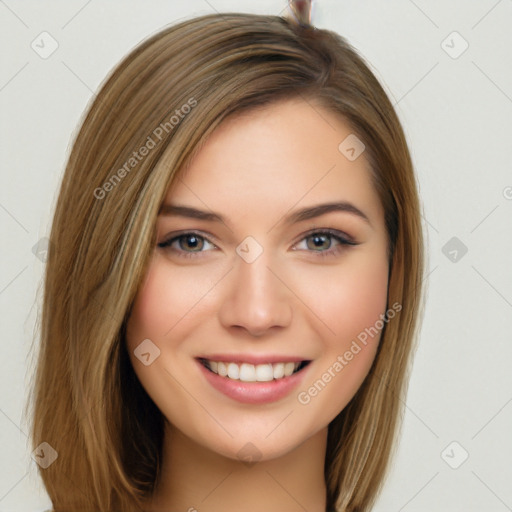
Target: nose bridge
x,y
254,279
255,298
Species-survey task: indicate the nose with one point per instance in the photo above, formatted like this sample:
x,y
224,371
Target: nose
x,y
255,298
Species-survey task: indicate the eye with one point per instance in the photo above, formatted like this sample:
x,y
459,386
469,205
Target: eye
x,y
186,241
321,242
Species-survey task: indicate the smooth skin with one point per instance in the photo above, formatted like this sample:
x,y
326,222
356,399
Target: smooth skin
x,y
305,295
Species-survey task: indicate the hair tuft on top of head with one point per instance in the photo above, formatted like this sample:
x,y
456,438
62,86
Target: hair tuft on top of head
x,y
301,12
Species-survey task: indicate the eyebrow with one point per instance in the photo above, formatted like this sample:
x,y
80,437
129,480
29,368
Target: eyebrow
x,y
297,216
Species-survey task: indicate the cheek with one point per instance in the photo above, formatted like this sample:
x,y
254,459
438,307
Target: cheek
x,y
350,302
363,298
166,299
168,302
346,299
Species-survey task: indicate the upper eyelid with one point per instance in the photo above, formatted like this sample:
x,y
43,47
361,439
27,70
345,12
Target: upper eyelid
x,y
207,236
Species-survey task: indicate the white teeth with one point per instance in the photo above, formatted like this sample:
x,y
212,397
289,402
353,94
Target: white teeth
x,y
233,371
264,372
278,370
288,369
221,369
246,372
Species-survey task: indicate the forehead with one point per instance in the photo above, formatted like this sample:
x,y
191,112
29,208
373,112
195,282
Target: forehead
x,y
272,158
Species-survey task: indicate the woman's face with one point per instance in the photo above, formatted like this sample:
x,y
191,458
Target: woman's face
x,y
249,269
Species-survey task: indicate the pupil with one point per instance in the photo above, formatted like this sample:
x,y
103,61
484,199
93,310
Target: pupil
x,y
192,241
318,240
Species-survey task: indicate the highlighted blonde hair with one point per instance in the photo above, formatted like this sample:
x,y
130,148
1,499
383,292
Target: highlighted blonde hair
x,y
87,402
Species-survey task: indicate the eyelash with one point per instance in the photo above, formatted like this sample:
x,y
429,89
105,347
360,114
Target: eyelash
x,y
337,235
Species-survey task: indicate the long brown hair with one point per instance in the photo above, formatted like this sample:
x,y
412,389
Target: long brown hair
x,y
168,95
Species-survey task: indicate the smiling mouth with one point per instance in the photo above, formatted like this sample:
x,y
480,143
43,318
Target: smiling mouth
x,y
247,372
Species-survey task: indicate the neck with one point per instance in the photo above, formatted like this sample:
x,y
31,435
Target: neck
x,y
196,479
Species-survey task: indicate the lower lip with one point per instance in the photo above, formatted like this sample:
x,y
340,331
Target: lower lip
x,y
254,392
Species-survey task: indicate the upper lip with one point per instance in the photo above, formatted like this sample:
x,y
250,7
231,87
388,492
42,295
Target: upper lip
x,y
254,358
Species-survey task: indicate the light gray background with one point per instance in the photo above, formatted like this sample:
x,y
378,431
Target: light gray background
x,y
456,113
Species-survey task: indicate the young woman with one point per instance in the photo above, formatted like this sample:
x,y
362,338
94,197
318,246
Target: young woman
x,y
234,283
